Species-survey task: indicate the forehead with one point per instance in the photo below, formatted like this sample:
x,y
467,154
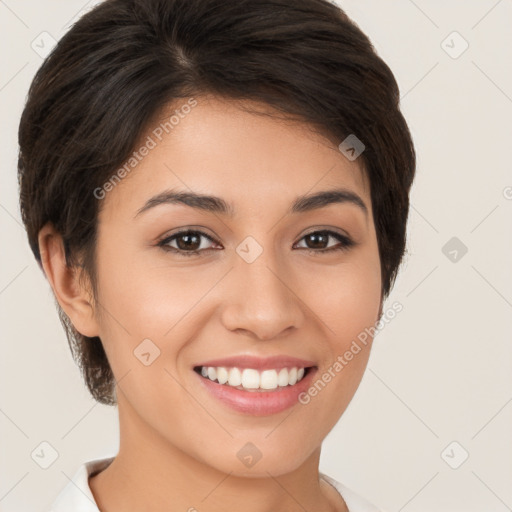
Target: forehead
x,y
240,150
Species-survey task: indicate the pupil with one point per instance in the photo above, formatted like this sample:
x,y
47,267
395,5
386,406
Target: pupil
x,y
188,238
316,238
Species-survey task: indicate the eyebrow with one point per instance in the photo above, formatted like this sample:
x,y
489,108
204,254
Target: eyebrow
x,y
217,205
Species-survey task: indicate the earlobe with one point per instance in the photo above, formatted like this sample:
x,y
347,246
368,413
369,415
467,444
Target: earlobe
x,y
70,293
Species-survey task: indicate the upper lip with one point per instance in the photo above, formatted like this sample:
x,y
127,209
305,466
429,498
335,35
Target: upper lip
x,y
259,363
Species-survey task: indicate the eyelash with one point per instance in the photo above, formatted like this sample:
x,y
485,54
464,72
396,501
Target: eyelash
x,y
346,243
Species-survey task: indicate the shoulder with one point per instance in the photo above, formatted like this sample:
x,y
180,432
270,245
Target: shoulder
x,y
77,496
354,501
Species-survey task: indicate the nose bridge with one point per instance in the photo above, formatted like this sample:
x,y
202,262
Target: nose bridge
x,y
261,298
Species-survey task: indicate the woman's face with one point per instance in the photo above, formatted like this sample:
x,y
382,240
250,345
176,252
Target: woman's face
x,y
262,285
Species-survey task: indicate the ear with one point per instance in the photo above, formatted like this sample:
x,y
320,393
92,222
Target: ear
x,y
71,295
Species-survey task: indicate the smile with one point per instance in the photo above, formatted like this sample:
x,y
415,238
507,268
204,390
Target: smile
x,y
255,392
251,379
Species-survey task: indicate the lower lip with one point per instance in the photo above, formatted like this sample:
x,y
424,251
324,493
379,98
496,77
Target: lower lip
x,y
258,403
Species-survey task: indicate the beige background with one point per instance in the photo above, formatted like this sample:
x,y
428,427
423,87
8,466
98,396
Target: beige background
x,y
440,372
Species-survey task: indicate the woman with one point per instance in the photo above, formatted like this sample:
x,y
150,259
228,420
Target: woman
x,y
217,192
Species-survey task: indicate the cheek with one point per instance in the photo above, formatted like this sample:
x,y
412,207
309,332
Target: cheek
x,y
346,297
144,296
346,302
144,327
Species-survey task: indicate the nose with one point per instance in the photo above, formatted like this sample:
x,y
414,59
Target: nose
x,y
263,298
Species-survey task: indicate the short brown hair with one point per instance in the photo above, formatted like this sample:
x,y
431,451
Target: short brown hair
x,y
122,62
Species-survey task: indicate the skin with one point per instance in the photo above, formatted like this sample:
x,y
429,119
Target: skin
x,y
178,444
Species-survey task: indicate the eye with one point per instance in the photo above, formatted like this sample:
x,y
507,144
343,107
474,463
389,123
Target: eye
x,y
188,242
318,239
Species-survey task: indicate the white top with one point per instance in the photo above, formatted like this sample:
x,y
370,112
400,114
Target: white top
x,y
77,496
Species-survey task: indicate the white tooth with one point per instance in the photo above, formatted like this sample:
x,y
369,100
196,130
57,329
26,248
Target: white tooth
x,y
222,375
212,373
268,379
282,378
235,377
250,378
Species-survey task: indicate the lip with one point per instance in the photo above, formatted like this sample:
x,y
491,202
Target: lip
x,y
258,403
259,363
